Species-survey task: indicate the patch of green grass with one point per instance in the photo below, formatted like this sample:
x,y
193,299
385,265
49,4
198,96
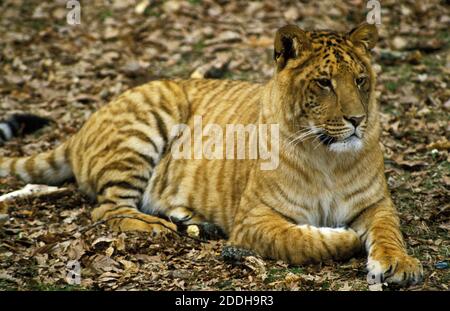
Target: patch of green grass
x,y
55,287
296,270
199,46
390,109
436,172
27,269
6,285
391,86
433,116
403,74
434,63
105,14
325,285
275,274
182,69
446,277
225,284
39,24
428,184
444,35
27,8
444,166
194,2
149,11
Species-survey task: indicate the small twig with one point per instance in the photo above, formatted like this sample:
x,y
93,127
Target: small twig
x,y
33,191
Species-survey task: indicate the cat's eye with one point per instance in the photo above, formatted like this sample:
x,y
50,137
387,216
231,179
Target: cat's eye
x,y
361,81
324,83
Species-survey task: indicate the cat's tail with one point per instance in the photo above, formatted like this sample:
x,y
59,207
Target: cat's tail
x,y
50,167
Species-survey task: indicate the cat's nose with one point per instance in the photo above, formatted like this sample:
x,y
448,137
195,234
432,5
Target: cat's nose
x,y
355,120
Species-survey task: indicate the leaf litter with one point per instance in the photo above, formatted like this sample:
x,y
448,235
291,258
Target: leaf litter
x,y
67,72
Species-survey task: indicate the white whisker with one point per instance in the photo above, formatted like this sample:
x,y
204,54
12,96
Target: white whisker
x,y
319,142
301,138
305,133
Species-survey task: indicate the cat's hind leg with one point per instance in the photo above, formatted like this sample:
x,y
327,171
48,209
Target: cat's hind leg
x,y
123,216
120,191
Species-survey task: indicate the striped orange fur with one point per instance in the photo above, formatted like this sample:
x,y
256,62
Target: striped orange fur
x,y
327,199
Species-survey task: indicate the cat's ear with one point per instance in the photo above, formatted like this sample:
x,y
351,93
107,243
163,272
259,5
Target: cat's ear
x,y
290,42
365,36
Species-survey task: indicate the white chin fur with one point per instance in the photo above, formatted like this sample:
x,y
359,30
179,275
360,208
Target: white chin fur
x,y
351,144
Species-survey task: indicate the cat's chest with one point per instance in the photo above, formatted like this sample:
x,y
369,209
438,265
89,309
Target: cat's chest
x,y
327,210
324,205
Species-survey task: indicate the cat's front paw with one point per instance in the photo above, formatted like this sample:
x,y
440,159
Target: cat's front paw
x,y
398,269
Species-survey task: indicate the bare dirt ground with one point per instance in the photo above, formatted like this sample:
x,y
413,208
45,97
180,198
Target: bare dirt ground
x,y
66,72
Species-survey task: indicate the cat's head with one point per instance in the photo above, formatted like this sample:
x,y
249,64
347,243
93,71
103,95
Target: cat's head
x,y
323,88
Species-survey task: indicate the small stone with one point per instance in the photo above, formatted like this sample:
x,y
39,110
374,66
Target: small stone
x,y
291,14
140,8
110,33
193,231
422,77
399,43
441,265
122,4
171,6
447,105
59,13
